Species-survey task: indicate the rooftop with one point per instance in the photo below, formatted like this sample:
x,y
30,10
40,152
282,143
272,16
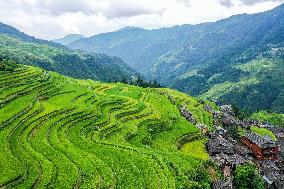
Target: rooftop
x,y
263,142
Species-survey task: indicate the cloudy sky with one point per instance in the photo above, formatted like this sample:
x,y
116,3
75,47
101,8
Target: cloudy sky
x,y
49,19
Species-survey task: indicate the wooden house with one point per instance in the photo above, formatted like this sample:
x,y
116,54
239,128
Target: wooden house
x,y
223,184
219,145
262,147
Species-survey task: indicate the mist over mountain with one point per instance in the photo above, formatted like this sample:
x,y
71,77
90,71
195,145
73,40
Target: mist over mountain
x,y
13,32
68,39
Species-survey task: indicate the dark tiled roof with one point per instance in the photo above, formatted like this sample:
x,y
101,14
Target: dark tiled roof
x,y
262,142
220,144
234,159
270,172
223,184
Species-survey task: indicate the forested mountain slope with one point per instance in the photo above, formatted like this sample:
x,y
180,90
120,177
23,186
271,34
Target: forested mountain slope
x,y
198,59
59,132
138,47
68,39
13,32
63,60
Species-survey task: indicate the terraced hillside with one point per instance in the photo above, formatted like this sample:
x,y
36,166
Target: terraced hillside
x,y
238,60
59,132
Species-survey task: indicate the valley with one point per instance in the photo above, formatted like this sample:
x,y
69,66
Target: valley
x,y
238,60
191,106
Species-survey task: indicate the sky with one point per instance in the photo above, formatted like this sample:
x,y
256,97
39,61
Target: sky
x,y
51,19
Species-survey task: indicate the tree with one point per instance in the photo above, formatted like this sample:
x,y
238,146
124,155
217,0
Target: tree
x,y
234,132
7,65
247,177
199,179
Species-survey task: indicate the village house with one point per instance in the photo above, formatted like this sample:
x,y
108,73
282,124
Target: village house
x,y
219,144
188,115
263,148
208,108
221,131
272,174
242,150
228,163
223,184
279,133
229,120
203,128
227,109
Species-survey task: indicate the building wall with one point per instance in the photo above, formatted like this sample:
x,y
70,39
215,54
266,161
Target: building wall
x,y
261,153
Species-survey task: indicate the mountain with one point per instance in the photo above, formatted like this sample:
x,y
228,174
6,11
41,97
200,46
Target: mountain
x,y
87,134
13,32
17,46
69,39
140,48
207,60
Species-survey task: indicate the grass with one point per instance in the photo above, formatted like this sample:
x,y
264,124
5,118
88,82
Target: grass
x,y
273,118
263,132
196,148
59,132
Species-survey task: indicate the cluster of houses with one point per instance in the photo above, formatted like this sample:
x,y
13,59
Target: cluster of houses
x,y
252,147
225,154
273,173
263,148
188,115
228,153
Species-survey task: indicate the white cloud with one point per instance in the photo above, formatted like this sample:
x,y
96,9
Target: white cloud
x,y
55,18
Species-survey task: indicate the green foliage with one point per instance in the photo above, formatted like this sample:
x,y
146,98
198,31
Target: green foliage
x,y
263,132
241,114
233,131
65,61
238,60
59,132
241,131
196,148
201,179
7,65
141,83
273,118
247,177
259,86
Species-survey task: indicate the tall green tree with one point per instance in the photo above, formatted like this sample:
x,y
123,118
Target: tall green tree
x,y
247,177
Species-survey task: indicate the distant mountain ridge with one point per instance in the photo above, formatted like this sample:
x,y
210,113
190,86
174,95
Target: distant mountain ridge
x,y
13,32
205,59
24,49
137,46
68,39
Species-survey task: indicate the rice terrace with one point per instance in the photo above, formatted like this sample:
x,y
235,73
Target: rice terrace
x,y
59,132
131,94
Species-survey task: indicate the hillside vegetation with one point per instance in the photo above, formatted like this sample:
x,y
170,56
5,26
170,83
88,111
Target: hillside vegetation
x,y
13,32
68,39
273,118
24,49
65,61
214,60
59,132
254,85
